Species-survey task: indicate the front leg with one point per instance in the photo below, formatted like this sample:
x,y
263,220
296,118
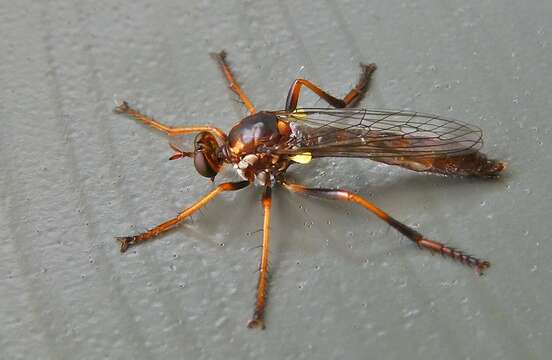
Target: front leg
x,y
124,108
127,241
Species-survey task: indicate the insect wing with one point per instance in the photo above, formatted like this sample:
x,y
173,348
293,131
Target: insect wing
x,y
377,134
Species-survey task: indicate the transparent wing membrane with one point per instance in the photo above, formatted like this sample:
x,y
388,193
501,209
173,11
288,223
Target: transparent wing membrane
x,y
377,134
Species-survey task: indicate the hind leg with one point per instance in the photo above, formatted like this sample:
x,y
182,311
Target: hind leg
x,y
352,98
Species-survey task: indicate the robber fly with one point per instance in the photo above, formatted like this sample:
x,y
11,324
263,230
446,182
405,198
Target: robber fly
x,y
263,145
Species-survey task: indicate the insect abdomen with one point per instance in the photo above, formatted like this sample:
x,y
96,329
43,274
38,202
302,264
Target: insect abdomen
x,y
472,164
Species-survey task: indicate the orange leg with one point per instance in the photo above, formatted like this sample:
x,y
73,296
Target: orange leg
x,y
352,98
220,58
127,241
126,109
413,235
258,316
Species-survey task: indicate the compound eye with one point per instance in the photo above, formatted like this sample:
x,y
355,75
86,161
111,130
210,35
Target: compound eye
x,y
203,166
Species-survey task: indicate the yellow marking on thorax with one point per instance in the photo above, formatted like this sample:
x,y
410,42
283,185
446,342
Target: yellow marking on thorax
x,y
298,114
303,158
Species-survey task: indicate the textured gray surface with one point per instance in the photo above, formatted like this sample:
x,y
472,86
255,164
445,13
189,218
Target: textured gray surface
x,y
73,175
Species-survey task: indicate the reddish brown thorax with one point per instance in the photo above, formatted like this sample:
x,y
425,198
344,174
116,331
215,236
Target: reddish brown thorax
x,y
248,141
253,131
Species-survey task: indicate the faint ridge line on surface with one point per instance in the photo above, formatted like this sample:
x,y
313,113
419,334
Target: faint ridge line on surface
x,y
349,36
299,40
262,74
106,139
155,272
71,157
23,261
514,334
357,54
309,62
37,302
510,327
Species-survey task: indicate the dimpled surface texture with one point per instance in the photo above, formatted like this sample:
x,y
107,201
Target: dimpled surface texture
x,y
344,285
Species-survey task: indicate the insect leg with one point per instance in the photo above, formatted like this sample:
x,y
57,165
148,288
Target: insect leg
x,y
127,241
258,315
344,195
220,58
123,107
349,100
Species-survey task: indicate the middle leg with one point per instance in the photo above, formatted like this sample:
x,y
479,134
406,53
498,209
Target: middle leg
x,y
127,241
258,315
